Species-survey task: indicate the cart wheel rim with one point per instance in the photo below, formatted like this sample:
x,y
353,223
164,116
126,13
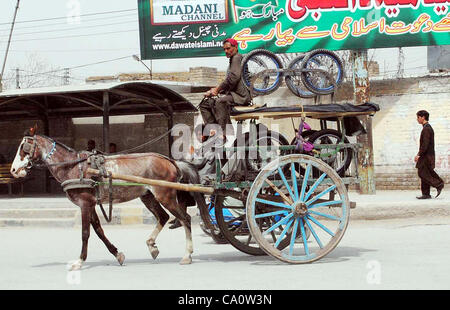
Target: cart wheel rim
x,y
303,209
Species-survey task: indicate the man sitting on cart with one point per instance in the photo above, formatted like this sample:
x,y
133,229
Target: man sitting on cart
x,y
217,110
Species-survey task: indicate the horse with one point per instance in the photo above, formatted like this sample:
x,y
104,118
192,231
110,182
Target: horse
x,y
64,163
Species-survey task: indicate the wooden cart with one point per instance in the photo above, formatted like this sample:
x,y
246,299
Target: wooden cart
x,y
295,207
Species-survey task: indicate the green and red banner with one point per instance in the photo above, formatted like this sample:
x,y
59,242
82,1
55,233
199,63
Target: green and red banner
x,y
197,28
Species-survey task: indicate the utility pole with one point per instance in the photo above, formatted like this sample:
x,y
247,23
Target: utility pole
x,y
362,95
401,63
17,78
7,46
66,76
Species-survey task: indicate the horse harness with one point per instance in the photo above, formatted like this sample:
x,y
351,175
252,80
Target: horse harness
x,y
96,161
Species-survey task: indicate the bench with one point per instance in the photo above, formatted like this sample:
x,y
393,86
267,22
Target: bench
x,y
7,178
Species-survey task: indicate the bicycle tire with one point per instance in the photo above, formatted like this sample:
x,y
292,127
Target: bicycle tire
x,y
311,79
258,56
347,153
290,80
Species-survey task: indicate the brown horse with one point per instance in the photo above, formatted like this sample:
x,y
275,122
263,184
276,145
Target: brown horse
x,y
65,164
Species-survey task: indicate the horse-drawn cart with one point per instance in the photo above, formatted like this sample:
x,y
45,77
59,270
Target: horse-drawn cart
x,y
291,204
268,196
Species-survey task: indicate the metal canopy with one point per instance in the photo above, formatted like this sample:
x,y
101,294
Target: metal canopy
x,y
103,99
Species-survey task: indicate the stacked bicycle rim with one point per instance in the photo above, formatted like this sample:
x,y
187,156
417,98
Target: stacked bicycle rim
x,y
318,72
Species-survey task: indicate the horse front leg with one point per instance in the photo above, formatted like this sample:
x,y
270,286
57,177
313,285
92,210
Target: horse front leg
x,y
86,211
95,222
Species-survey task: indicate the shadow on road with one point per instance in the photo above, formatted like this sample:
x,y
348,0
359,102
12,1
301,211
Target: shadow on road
x,y
340,254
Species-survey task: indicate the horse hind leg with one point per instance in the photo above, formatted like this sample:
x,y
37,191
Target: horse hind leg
x,y
187,259
162,217
95,222
178,209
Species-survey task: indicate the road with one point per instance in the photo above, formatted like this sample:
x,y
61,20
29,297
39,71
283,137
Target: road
x,y
385,254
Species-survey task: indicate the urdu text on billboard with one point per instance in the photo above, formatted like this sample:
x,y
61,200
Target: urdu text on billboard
x,y
197,28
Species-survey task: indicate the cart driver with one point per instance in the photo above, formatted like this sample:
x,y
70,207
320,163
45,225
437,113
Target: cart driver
x,y
217,110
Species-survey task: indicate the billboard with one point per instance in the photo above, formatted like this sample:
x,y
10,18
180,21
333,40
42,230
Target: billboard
x,y
197,28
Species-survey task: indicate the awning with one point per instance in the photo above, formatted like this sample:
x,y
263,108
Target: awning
x,y
120,98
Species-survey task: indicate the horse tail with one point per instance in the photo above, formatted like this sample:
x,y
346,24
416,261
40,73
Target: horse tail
x,y
188,174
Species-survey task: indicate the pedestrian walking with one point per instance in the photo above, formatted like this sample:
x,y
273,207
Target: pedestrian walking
x,y
425,158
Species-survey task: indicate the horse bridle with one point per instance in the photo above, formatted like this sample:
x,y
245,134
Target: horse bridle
x,y
30,149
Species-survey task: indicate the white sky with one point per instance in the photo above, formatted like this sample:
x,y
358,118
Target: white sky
x,y
122,40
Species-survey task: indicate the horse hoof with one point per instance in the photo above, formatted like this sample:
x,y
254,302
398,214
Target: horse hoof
x,y
186,261
154,252
120,258
76,266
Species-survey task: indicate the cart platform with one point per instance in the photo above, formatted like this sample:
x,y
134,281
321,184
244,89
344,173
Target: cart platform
x,y
323,111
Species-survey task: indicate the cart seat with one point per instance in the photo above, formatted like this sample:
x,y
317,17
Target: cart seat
x,y
235,110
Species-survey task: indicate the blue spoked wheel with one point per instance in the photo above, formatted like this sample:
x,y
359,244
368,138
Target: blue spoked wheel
x,y
317,81
304,206
254,64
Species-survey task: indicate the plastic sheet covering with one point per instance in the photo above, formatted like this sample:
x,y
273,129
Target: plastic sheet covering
x,y
333,107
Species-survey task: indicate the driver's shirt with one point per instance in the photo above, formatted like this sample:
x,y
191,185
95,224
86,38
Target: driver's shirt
x,y
233,83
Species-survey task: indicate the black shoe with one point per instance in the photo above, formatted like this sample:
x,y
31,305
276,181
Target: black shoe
x,y
424,197
175,224
439,190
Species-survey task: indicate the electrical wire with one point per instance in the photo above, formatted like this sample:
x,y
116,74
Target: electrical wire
x,y
65,23
65,17
81,66
77,50
73,36
48,74
70,29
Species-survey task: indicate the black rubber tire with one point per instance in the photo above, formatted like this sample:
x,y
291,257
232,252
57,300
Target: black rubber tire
x,y
348,155
305,134
268,89
306,76
290,83
209,227
252,163
230,231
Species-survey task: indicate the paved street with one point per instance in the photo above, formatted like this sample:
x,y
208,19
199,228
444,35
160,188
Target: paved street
x,y
408,253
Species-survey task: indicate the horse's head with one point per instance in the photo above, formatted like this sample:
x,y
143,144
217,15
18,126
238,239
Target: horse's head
x,y
26,155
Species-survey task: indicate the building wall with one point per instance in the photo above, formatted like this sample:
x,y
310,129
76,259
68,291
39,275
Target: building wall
x,y
395,129
64,130
396,132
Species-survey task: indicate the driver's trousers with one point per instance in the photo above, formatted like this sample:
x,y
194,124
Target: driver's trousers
x,y
217,111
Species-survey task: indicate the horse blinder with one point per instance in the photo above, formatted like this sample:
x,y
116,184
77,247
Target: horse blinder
x,y
29,149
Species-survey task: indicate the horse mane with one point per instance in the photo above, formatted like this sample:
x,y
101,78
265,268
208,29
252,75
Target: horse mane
x,y
60,144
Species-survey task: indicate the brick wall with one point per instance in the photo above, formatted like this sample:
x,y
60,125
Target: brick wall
x,y
126,136
395,129
200,75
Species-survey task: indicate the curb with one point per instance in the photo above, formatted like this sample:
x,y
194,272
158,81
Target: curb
x,y
60,212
